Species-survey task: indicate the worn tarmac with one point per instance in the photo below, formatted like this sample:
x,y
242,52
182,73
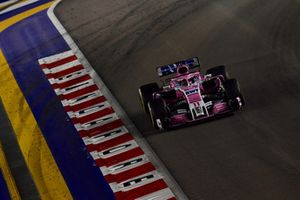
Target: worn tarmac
x,y
253,154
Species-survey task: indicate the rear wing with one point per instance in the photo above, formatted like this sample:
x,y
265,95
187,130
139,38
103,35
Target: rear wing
x,y
172,68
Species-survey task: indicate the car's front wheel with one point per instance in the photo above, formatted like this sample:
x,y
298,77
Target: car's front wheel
x,y
145,94
234,96
159,114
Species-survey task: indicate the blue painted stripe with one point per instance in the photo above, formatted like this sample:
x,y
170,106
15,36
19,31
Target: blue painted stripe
x,y
23,44
4,193
22,9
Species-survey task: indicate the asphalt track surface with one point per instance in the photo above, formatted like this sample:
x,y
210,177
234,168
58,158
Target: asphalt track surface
x,y
251,155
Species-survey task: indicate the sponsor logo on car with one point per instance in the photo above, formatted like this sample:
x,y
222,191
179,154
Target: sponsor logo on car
x,y
190,92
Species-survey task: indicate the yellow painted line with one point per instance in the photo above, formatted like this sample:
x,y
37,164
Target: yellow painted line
x,y
10,182
12,20
37,155
20,1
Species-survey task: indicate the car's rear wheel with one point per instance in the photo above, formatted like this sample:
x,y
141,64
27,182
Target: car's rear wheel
x,y
145,94
218,70
211,85
170,94
159,114
234,96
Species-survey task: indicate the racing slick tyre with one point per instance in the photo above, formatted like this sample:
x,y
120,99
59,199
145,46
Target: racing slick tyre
x,y
158,114
218,70
171,94
145,94
211,85
233,94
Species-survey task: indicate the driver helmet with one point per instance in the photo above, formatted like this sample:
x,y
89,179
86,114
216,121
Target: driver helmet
x,y
183,69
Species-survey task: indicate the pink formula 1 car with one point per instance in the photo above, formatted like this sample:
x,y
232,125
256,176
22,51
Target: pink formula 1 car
x,y
188,96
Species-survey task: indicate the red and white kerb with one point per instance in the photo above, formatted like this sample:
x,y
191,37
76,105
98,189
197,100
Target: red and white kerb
x,y
122,161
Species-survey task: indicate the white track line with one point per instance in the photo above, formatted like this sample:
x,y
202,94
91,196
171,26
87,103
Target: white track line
x,y
119,110
16,6
7,3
